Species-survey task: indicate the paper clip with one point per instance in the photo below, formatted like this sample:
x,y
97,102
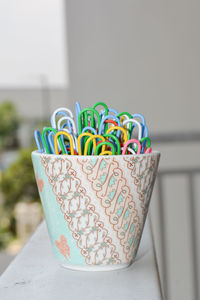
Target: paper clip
x,y
93,132
119,128
84,114
106,153
51,136
143,122
108,118
45,139
116,141
101,104
74,138
123,115
104,105
149,150
47,142
58,134
148,141
79,140
105,143
89,128
71,130
72,127
45,131
145,132
77,110
111,122
132,151
38,139
93,139
113,111
61,111
129,142
139,116
139,127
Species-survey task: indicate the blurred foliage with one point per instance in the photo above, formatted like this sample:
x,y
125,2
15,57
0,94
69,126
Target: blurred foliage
x,y
9,123
6,234
17,184
18,181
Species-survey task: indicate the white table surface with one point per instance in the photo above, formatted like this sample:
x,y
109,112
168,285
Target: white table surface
x,y
34,274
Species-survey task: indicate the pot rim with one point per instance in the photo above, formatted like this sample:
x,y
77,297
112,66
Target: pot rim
x,y
37,153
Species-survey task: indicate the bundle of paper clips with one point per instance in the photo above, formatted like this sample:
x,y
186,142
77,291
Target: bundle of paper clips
x,y
96,132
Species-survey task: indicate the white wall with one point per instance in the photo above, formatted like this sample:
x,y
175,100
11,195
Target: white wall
x,y
32,43
143,56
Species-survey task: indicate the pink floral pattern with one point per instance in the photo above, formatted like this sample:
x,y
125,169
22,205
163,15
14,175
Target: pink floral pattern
x,y
40,183
63,246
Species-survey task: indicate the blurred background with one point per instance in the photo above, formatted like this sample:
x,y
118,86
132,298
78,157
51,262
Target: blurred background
x,y
137,56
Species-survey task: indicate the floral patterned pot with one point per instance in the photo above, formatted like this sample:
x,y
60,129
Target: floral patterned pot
x,y
95,206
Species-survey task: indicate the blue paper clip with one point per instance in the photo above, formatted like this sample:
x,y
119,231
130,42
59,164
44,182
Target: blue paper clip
x,y
145,132
102,114
51,136
77,110
47,141
106,118
61,111
143,122
39,142
89,128
69,123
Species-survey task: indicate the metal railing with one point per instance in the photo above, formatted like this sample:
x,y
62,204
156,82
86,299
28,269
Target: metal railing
x,y
190,174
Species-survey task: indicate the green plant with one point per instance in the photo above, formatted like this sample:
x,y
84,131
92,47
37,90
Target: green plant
x,y
6,234
9,123
18,181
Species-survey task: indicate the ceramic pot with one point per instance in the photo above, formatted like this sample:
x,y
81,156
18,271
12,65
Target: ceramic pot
x,y
95,206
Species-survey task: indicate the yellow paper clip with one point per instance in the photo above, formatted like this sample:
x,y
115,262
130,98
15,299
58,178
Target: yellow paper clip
x,y
125,137
70,141
106,153
79,140
93,138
